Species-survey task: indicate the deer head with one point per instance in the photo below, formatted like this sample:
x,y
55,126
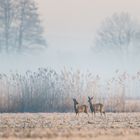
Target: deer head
x,y
75,102
89,98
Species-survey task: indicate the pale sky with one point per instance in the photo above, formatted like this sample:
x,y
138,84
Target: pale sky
x,y
70,26
72,23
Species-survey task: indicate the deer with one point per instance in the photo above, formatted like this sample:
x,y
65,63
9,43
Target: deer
x,y
98,107
80,108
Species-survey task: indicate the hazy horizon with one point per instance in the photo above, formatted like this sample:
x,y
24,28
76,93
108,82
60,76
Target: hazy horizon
x,y
70,27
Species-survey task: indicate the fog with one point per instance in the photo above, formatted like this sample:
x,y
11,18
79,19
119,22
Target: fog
x,y
70,28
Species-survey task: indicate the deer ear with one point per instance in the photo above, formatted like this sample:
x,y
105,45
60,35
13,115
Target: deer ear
x,y
88,97
91,97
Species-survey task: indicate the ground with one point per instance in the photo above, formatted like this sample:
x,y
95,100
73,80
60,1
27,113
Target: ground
x,y
63,126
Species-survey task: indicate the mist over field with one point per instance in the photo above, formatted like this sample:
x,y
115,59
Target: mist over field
x,y
70,29
80,59
78,38
69,69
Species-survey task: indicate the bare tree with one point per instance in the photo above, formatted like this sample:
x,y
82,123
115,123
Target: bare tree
x,y
6,21
20,26
30,31
119,33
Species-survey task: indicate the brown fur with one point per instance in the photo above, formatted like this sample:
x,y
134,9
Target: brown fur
x,y
96,107
80,108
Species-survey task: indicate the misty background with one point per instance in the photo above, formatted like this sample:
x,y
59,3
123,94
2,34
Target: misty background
x,y
70,28
52,51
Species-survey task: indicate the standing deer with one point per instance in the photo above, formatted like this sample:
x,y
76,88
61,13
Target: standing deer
x,y
96,107
80,108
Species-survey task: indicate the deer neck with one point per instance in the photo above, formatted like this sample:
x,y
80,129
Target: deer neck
x,y
75,107
91,105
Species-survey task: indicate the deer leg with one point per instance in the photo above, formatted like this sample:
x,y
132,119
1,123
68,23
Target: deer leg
x,y
101,113
87,114
76,115
104,114
92,115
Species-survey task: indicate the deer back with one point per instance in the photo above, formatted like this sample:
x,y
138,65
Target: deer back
x,y
98,107
82,108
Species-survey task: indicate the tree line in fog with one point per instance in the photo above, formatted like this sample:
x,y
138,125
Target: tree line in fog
x,y
20,26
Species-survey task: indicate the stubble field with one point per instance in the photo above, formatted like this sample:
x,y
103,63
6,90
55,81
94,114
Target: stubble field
x,y
63,126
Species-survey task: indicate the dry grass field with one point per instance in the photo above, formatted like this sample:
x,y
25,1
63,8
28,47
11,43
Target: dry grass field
x,y
63,126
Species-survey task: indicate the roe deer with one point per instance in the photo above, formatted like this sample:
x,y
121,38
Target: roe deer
x,y
96,107
80,108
